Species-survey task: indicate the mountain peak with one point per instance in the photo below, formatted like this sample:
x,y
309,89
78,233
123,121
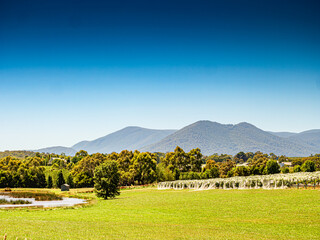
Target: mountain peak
x,y
128,138
213,137
245,124
210,137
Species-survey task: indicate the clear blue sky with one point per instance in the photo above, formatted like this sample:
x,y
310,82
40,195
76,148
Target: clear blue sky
x,y
76,70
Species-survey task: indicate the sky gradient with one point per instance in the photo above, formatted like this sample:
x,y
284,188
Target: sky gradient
x,y
78,70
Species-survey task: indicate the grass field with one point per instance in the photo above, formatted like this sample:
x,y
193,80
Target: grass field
x,y
169,214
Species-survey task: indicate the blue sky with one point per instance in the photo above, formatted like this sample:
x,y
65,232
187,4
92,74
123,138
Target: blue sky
x,y
83,69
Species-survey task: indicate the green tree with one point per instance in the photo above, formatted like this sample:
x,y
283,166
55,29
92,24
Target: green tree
x,y
81,154
49,182
195,159
83,171
181,160
70,180
272,167
225,167
257,164
241,171
124,160
308,166
60,180
241,156
210,164
285,170
176,174
106,180
297,168
144,167
214,172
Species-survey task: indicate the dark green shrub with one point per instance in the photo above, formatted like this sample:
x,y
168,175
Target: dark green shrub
x,y
308,166
49,182
70,180
253,184
60,179
5,201
230,173
214,172
297,168
272,167
285,170
259,183
279,183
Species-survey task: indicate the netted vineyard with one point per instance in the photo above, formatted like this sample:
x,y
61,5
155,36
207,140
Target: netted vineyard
x,y
274,181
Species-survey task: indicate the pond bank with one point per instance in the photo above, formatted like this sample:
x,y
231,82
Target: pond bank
x,y
65,202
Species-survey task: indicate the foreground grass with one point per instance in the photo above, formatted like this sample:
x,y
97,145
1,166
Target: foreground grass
x,y
169,214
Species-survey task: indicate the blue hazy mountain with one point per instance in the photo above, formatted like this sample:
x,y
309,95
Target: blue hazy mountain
x,y
213,137
130,138
210,137
283,134
58,150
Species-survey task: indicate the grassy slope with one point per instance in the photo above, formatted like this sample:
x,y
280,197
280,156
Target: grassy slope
x,y
169,214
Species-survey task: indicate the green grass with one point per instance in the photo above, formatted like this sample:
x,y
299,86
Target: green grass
x,y
169,214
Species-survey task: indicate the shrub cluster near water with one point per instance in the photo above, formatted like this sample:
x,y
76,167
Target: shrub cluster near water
x,y
38,196
5,201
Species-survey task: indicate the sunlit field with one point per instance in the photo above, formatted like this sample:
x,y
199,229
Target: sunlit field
x,y
168,214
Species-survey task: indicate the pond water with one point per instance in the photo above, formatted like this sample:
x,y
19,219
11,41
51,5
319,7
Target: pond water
x,y
65,202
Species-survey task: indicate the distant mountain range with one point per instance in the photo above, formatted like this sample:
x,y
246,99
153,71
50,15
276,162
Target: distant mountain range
x,y
58,150
210,137
130,138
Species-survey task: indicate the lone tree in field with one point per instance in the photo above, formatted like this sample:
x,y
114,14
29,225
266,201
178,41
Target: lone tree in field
x,y
60,179
106,180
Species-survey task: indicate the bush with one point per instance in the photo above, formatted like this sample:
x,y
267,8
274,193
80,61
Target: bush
x,y
176,174
49,182
230,173
272,167
308,166
253,184
259,183
106,180
205,175
5,201
285,170
60,179
70,181
241,171
38,196
214,172
297,168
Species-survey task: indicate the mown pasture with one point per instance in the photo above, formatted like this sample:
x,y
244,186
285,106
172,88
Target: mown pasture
x,y
175,214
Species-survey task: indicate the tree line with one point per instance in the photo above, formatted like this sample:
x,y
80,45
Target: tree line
x,y
138,168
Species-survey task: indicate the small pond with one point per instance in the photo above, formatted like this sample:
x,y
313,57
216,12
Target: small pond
x,y
65,202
